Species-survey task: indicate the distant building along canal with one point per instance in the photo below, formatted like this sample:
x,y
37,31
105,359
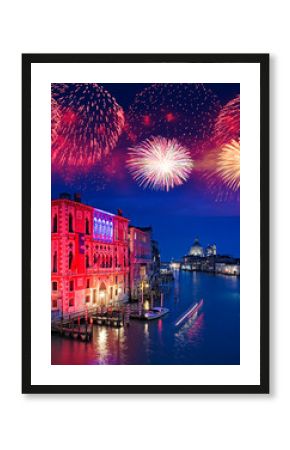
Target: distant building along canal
x,y
208,260
141,267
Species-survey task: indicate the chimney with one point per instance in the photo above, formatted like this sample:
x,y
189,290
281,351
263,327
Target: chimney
x,y
65,196
120,212
77,197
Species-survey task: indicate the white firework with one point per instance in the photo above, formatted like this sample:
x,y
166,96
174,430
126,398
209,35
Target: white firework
x,y
160,163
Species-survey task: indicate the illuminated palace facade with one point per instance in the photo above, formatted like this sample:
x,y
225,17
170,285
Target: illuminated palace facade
x,y
89,256
141,261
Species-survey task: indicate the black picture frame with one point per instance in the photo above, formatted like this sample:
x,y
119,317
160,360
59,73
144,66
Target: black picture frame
x,y
27,61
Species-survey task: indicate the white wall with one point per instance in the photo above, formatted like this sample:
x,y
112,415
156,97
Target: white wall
x,y
224,422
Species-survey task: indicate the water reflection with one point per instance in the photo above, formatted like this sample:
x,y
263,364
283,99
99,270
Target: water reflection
x,y
192,329
210,337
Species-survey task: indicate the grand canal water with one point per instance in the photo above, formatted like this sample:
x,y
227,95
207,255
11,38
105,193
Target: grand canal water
x,y
213,337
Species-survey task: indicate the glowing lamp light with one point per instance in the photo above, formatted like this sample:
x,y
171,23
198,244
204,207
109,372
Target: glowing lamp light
x,y
146,305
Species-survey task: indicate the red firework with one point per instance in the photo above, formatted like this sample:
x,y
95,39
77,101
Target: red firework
x,y
89,127
227,126
175,111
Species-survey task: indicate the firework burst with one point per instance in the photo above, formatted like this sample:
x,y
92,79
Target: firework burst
x,y
227,126
228,165
90,124
183,111
160,163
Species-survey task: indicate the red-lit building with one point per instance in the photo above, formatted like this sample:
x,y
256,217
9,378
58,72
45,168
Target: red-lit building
x,y
140,260
89,256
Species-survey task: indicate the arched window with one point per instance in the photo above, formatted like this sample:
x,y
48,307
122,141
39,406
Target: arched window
x,y
70,223
111,261
87,261
54,226
54,264
95,258
70,259
87,226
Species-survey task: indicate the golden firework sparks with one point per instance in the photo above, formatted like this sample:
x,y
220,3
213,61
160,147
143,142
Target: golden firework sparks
x,y
228,165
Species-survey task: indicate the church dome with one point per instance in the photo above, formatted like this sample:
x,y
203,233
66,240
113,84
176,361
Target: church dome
x,y
196,249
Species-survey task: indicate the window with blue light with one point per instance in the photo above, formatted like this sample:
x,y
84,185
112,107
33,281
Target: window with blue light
x,y
102,226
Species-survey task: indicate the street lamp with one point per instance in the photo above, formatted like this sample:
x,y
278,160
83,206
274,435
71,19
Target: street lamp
x,y
142,292
146,285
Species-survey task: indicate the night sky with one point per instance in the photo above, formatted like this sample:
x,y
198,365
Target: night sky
x,y
177,216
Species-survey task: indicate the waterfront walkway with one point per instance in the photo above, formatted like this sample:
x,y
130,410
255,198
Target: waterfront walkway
x,y
79,325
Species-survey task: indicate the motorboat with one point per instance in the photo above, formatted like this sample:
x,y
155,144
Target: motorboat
x,y
155,313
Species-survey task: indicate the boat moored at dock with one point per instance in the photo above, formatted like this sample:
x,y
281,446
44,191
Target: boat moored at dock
x,y
155,313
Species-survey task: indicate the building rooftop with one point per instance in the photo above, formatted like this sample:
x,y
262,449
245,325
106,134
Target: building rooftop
x,y
76,199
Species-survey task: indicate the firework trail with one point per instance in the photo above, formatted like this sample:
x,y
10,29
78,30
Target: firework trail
x,y
227,125
186,112
159,163
228,165
96,177
81,180
90,124
55,119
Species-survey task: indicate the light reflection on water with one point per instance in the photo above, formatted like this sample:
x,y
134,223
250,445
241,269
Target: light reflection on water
x,y
211,337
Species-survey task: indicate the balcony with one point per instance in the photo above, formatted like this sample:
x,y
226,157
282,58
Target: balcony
x,y
55,295
97,270
103,270
145,257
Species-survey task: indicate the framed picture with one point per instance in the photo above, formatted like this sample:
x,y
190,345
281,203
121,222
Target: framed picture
x,y
145,234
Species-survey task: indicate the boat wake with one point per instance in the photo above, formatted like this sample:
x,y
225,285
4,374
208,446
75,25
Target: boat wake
x,y
192,311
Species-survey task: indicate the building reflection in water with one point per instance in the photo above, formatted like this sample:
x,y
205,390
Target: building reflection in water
x,y
176,287
109,345
146,340
101,344
160,326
